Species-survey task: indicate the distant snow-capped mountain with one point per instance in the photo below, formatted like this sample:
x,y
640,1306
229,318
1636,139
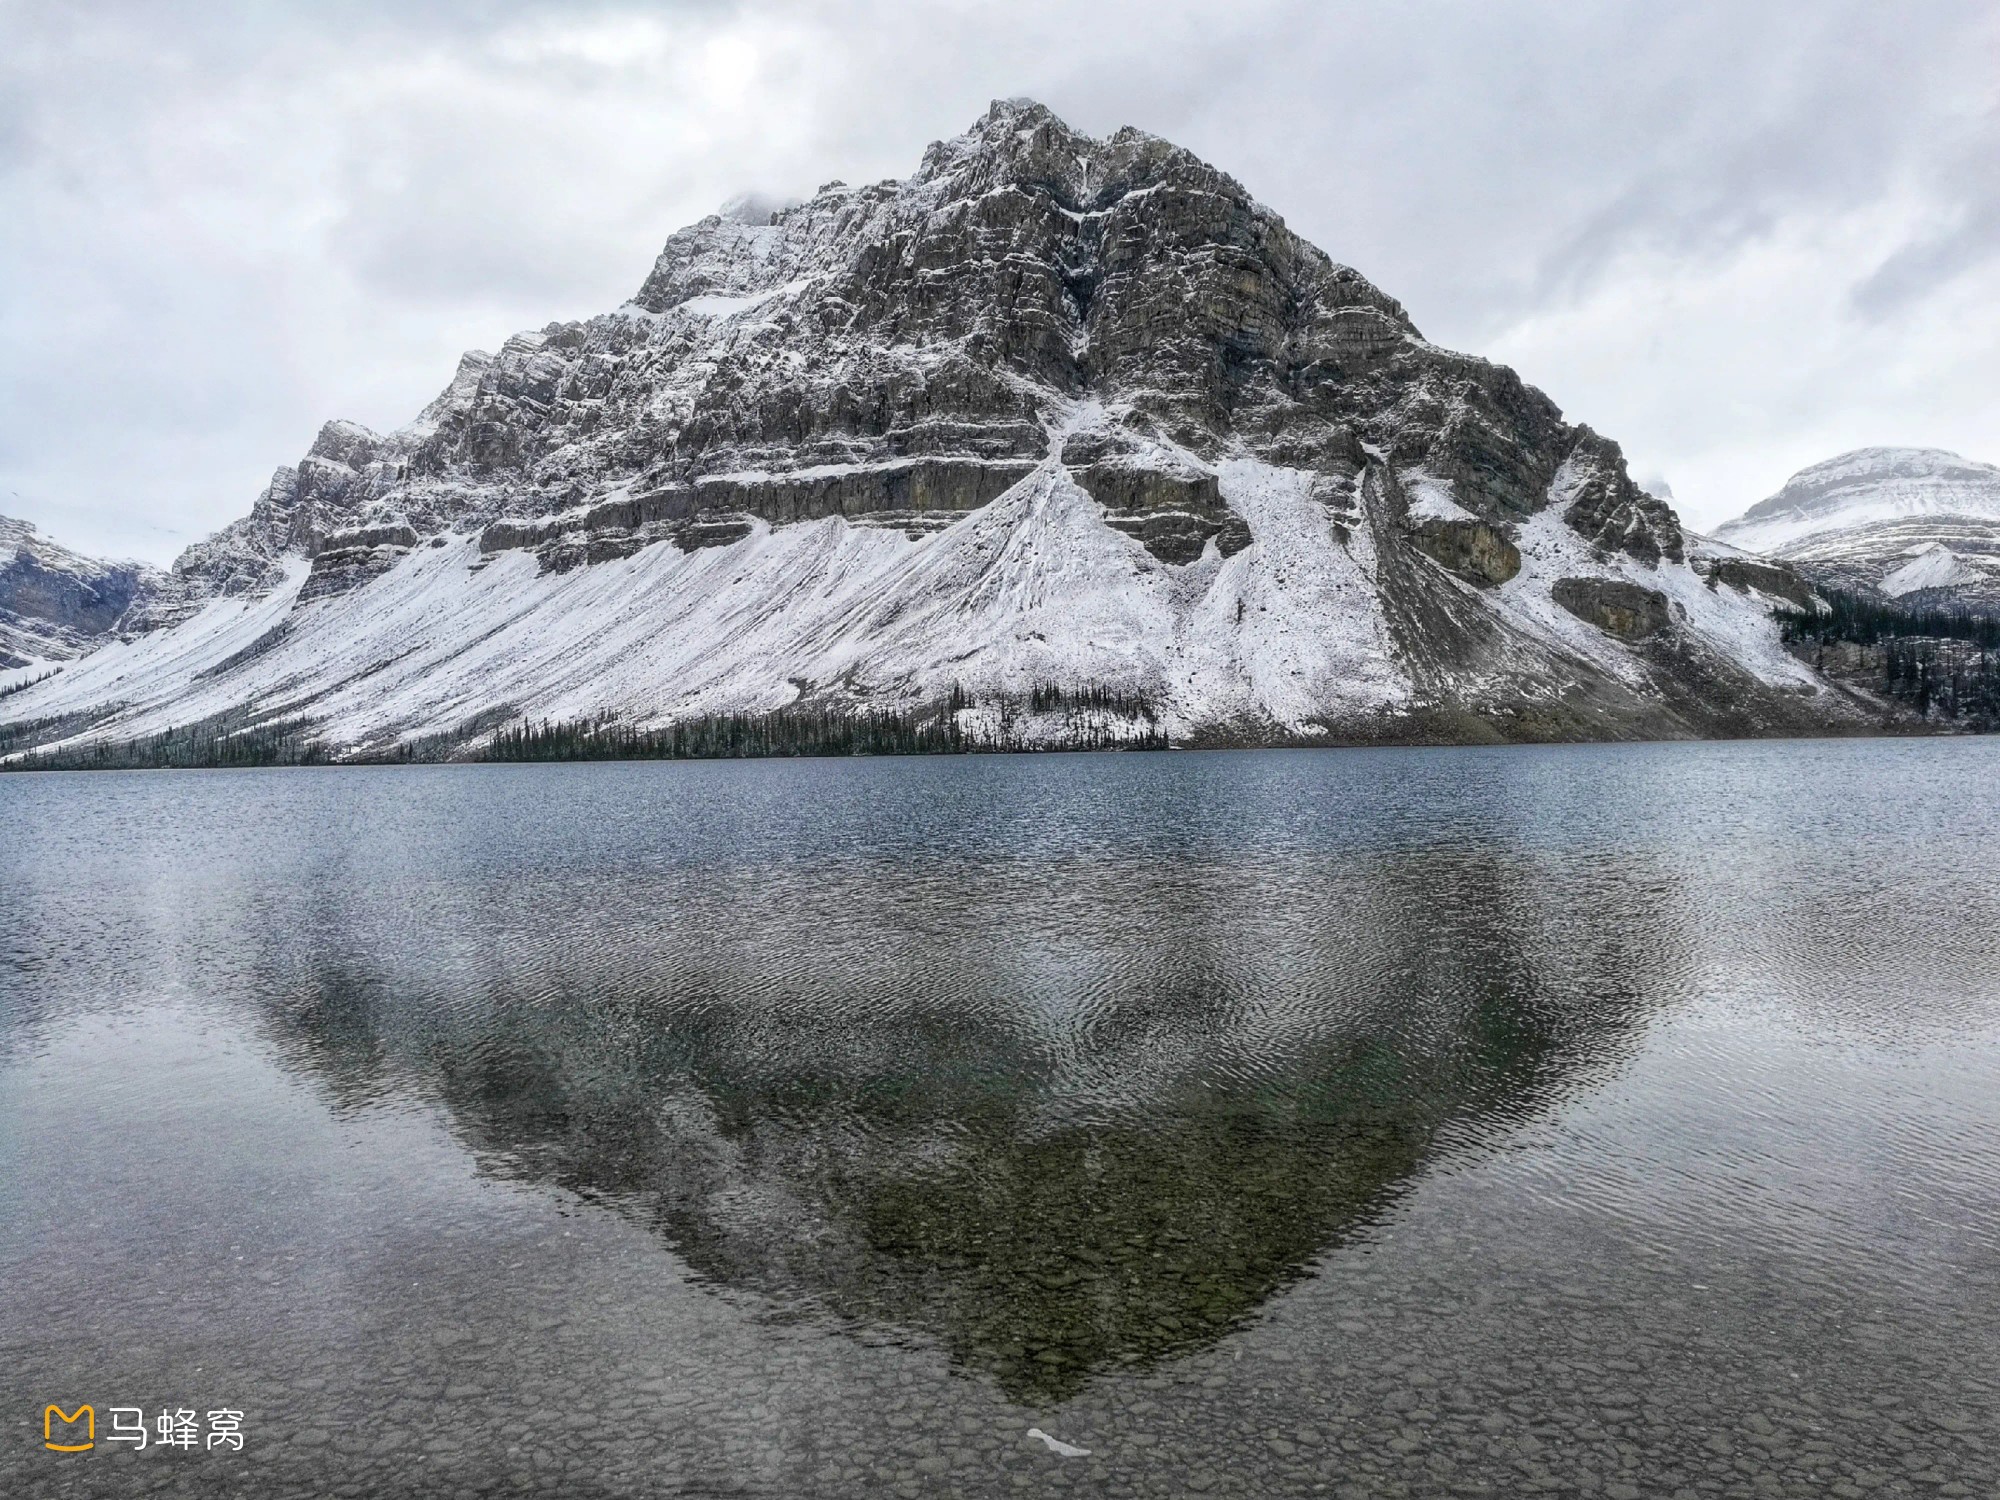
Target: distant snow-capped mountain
x,y
1054,410
1917,524
56,604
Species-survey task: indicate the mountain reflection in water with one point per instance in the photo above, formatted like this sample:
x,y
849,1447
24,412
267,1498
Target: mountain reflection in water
x,y
1060,1116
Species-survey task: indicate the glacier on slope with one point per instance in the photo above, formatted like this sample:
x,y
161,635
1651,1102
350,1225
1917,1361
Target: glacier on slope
x,y
1053,411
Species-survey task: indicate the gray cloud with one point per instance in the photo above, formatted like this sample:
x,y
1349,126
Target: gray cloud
x,y
222,223
1966,239
1919,268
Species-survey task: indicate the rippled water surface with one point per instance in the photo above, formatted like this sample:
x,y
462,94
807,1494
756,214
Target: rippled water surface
x,y
1617,1121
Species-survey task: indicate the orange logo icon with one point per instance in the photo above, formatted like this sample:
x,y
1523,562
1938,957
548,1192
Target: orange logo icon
x,y
54,1414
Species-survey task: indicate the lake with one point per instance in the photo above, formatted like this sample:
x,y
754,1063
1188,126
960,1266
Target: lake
x,y
1617,1121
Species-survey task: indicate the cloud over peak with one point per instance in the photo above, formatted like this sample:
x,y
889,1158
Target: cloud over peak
x,y
1737,237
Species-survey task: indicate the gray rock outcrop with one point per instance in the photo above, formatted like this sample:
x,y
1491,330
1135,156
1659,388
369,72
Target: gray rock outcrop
x,y
1629,611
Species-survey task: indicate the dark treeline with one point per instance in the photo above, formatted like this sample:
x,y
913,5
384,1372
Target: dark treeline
x,y
22,687
729,736
1944,663
21,734
208,743
1092,719
1945,679
930,730
1050,697
1869,622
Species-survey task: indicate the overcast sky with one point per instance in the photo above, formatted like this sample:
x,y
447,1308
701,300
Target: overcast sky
x,y
1736,237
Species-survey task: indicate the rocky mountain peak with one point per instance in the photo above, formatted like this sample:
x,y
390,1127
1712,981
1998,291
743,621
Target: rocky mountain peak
x,y
1053,408
754,209
1021,145
348,444
928,337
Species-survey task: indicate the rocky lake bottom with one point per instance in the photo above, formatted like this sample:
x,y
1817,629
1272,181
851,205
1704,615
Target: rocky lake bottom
x,y
1610,1121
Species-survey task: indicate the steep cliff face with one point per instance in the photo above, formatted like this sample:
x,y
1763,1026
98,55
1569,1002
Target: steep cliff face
x,y
56,604
1053,410
1917,525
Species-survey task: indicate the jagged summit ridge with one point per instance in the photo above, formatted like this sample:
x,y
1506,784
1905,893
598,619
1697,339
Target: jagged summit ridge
x,y
1055,377
945,317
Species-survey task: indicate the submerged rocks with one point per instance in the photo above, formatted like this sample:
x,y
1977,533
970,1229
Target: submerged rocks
x,y
1627,610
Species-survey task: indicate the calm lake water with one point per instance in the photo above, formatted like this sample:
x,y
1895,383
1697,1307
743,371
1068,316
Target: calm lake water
x,y
1614,1121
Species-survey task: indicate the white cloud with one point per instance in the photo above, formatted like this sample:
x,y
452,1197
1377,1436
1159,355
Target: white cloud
x,y
1735,371
1737,237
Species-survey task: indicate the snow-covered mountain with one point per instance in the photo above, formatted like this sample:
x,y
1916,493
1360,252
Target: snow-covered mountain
x,y
56,604
1052,411
1916,524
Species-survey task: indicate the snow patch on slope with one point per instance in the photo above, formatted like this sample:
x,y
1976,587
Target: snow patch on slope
x,y
1291,626
1034,588
1431,498
1739,626
161,668
1934,567
717,305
